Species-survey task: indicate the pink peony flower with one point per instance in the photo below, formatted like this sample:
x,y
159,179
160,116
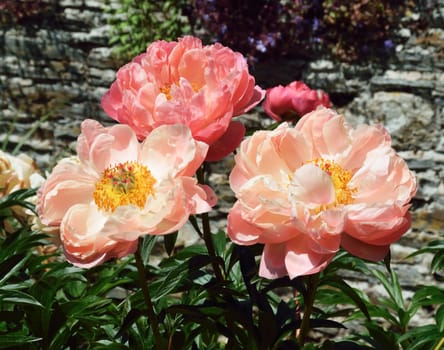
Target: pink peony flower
x,y
118,189
185,82
306,191
293,101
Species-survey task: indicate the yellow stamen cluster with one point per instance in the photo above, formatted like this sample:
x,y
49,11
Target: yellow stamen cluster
x,y
195,87
340,178
166,89
124,184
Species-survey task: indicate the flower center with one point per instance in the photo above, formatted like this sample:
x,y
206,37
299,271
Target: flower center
x,y
166,89
340,178
124,184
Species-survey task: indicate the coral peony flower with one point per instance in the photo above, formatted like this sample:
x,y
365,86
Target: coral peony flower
x,y
118,189
306,191
293,101
188,83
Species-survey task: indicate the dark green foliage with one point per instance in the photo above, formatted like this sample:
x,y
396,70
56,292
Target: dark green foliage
x,y
45,303
136,23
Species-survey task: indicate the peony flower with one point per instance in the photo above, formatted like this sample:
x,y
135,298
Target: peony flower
x,y
293,101
304,191
118,189
16,173
185,82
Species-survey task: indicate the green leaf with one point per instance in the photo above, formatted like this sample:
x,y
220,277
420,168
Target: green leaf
x,y
427,295
11,266
220,242
168,283
432,247
84,306
343,345
423,337
392,287
31,131
268,331
439,317
382,311
383,340
107,345
18,297
339,283
435,247
75,288
437,263
346,261
18,198
185,254
148,242
62,336
16,339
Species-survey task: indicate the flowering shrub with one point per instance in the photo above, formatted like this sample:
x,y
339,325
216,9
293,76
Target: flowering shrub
x,y
369,23
313,201
348,30
268,29
259,29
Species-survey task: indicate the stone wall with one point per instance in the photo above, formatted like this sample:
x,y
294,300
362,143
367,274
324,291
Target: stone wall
x,y
55,70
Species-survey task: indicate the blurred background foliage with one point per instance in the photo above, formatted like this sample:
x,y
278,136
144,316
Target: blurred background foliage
x,y
262,30
266,29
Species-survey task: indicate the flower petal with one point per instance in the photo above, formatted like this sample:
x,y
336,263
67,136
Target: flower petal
x,y
170,151
227,143
84,243
300,260
312,185
272,263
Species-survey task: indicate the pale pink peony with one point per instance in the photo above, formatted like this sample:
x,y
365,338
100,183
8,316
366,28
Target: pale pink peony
x,y
306,191
118,189
293,101
189,83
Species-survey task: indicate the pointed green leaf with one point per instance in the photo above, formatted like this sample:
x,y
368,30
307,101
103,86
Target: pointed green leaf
x,y
339,283
16,339
146,247
18,297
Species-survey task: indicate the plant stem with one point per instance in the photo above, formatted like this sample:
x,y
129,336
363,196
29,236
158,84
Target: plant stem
x,y
146,295
207,236
312,284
